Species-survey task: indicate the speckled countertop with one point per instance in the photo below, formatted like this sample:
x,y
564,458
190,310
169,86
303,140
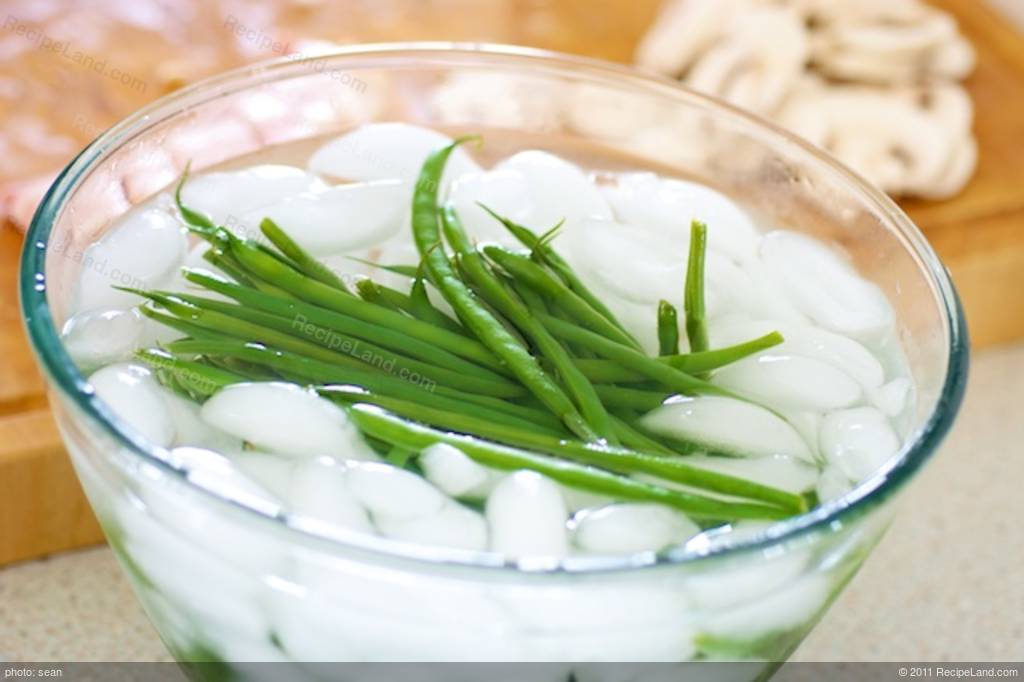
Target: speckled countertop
x,y
944,585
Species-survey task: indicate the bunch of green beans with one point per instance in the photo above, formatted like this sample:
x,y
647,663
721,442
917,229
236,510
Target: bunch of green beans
x,y
532,371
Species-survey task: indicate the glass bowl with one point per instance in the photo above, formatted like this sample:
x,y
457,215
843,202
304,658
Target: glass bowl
x,y
226,579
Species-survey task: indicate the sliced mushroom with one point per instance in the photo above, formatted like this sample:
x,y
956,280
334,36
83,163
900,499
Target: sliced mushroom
x,y
756,65
684,30
908,141
873,81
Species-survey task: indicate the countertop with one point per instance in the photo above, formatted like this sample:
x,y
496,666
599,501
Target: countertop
x,y
944,585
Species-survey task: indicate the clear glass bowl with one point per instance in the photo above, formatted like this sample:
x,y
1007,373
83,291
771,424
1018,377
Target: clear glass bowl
x,y
225,580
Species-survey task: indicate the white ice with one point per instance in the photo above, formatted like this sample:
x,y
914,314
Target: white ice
x,y
453,525
100,337
451,470
624,528
215,472
341,219
272,471
789,382
135,396
557,189
893,397
806,340
527,516
189,427
825,287
505,192
668,206
778,471
227,196
143,251
732,426
790,607
284,418
832,484
387,151
396,494
858,441
320,490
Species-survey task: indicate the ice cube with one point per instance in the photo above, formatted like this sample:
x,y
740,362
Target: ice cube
x,y
451,526
190,429
727,584
387,151
215,472
284,418
623,528
577,499
226,196
826,288
732,426
858,441
832,484
143,251
319,490
558,189
504,191
669,206
805,340
892,398
789,382
100,337
527,516
783,609
181,558
134,395
451,470
778,471
273,472
341,219
394,493
808,425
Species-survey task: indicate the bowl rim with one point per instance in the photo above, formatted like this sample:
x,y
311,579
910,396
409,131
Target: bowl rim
x,y
61,370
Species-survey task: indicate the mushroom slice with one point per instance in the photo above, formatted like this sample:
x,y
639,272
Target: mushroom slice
x,y
759,62
684,30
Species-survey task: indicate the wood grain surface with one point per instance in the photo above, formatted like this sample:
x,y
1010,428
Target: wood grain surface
x,y
979,235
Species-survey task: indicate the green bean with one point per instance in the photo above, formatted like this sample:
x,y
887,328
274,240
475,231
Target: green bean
x,y
525,270
547,255
403,270
668,329
371,292
606,371
229,265
380,424
492,290
319,372
636,440
421,307
194,218
281,335
486,328
693,299
321,295
183,326
632,398
299,257
219,260
610,457
303,314
196,376
441,412
631,359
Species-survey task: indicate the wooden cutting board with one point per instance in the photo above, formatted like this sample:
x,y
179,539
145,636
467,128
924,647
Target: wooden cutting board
x,y
979,234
